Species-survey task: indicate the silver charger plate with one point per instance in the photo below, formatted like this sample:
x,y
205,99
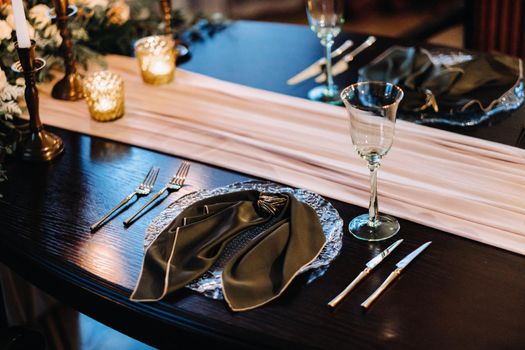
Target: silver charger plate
x,y
210,284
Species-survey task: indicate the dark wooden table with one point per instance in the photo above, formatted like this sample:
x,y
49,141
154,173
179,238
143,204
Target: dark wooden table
x,y
458,294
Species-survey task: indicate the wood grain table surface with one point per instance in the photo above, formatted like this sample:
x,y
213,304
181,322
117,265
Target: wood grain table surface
x,y
459,294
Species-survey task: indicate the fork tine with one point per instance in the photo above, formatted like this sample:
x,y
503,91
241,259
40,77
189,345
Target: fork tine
x,y
180,173
148,176
181,168
153,178
184,173
150,179
175,178
143,183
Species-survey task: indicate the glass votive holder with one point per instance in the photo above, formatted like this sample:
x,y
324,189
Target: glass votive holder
x,y
104,93
156,56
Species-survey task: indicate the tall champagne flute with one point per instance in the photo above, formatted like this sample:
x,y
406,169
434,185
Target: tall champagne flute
x,y
372,108
326,18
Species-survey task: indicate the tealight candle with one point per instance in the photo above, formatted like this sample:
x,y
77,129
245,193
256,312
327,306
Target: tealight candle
x,y
104,92
156,57
104,105
160,68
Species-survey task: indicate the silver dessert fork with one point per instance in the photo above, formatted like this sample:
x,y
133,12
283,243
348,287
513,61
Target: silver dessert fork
x,y
175,184
143,189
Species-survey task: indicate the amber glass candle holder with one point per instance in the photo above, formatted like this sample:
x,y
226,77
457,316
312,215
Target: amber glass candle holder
x,y
156,57
104,93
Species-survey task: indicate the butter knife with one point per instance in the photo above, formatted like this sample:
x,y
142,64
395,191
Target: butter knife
x,y
400,267
343,63
369,267
316,67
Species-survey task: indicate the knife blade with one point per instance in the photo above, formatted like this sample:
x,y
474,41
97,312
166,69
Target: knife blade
x,y
316,67
369,267
343,64
394,274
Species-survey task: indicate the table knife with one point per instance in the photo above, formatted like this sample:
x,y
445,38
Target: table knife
x,y
343,63
316,67
369,267
400,267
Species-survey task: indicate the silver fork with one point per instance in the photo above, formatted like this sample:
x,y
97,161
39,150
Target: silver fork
x,y
175,184
143,189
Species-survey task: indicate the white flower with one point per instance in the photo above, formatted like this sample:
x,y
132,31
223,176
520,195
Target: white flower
x,y
38,14
118,13
51,31
31,31
3,80
80,34
5,30
10,19
91,3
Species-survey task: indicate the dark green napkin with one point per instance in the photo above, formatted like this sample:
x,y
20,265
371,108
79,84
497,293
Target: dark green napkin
x,y
471,86
260,272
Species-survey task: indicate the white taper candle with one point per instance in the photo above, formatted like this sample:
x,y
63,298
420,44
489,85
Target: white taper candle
x,y
22,32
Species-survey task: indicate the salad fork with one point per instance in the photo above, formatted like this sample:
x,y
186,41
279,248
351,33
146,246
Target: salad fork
x,y
175,184
143,189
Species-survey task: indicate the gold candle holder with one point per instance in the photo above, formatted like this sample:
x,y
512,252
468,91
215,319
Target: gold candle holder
x,y
68,88
104,93
166,11
156,57
40,145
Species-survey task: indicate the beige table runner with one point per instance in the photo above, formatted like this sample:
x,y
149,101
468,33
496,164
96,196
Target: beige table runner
x,y
462,185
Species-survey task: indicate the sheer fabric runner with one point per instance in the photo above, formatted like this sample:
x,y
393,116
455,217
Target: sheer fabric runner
x,y
466,186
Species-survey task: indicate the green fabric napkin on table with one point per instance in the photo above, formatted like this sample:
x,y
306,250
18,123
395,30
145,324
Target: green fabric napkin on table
x,y
260,272
470,85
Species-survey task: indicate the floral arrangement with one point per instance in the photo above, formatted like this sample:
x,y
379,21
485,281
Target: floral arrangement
x,y
99,27
10,112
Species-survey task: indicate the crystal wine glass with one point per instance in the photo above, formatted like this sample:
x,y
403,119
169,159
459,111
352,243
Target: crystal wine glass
x,y
372,108
326,18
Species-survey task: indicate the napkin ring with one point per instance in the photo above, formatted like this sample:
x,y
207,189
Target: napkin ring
x,y
271,203
430,101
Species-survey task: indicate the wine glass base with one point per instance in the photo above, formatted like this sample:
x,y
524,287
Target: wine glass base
x,y
386,227
322,94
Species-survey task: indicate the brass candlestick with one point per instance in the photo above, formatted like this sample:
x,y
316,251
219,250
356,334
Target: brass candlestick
x,y
70,87
166,10
40,145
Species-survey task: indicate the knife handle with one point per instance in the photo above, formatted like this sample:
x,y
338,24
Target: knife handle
x,y
337,299
393,275
365,45
345,46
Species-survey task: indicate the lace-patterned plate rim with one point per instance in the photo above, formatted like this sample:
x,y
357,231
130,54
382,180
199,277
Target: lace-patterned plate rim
x,y
210,283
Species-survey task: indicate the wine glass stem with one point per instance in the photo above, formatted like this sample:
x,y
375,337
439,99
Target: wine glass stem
x,y
328,66
373,208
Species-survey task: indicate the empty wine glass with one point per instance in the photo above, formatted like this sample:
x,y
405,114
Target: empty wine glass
x,y
325,18
372,108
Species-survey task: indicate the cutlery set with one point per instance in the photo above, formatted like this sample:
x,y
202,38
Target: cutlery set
x,y
400,266
177,182
144,188
316,68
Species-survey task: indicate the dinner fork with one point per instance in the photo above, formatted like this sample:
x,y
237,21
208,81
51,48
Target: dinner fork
x,y
143,189
175,184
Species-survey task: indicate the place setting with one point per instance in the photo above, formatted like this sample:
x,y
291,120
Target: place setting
x,y
257,236
252,184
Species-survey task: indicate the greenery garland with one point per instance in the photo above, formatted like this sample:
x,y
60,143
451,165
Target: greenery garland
x,y
99,27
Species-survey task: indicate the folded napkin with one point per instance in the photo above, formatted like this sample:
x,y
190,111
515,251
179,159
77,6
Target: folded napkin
x,y
260,272
468,84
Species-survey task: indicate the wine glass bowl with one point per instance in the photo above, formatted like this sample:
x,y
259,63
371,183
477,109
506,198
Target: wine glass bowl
x,y
326,19
372,108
